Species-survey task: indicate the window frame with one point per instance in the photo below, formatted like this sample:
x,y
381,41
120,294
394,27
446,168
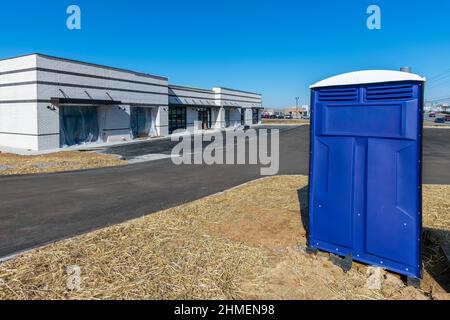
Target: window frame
x,y
177,118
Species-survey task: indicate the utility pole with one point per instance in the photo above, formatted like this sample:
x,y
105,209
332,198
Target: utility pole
x,y
296,104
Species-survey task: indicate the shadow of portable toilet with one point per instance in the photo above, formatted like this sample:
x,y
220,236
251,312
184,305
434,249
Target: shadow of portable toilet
x,y
365,169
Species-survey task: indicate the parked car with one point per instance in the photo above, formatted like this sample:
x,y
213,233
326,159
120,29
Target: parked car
x,y
305,117
439,120
288,117
447,118
432,115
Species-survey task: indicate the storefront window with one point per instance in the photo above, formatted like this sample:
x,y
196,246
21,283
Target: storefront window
x,y
177,118
255,116
227,117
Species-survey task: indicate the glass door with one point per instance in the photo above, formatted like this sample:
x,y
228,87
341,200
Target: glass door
x,y
242,116
78,125
177,118
140,122
204,117
227,117
255,116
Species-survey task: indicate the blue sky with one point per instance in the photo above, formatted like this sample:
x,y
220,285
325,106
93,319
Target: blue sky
x,y
277,48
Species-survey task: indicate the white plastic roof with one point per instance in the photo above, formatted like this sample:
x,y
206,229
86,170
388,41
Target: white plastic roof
x,y
366,77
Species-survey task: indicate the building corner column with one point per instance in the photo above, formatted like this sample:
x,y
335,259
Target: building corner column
x,y
162,121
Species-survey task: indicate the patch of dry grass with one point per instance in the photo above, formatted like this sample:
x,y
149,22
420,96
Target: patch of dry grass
x,y
11,164
245,243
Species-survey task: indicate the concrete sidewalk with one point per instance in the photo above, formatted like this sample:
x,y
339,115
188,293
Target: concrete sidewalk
x,y
105,145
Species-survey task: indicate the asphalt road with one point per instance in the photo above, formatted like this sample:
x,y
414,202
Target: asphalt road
x,y
436,156
164,146
428,121
38,209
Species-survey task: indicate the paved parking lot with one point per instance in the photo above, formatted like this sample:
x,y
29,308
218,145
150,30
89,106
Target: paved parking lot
x,y
427,121
436,151
436,156
38,209
165,146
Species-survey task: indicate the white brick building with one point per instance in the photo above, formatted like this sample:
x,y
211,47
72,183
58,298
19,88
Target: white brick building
x,y
48,103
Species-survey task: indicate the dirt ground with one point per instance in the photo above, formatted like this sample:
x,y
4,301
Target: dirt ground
x,y
12,164
245,243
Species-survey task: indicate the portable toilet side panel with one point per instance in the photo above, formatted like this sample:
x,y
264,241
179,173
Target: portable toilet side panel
x,y
365,180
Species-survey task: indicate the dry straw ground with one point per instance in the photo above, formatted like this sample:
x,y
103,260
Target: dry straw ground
x,y
11,164
247,243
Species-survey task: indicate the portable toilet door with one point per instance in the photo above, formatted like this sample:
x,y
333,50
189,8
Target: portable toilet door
x,y
365,168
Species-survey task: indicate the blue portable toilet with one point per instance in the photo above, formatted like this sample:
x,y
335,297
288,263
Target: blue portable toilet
x,y
365,168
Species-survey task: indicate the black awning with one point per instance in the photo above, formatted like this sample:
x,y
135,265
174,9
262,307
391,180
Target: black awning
x,y
83,102
192,105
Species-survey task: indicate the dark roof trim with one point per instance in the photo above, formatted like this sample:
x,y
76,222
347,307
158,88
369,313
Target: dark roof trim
x,y
177,87
240,96
242,101
24,101
86,75
141,104
215,99
30,134
259,94
193,105
58,84
90,64
191,97
70,101
137,104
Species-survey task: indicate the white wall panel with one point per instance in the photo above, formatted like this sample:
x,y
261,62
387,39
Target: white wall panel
x,y
237,93
188,96
39,125
236,98
18,93
48,91
235,117
19,141
18,118
18,63
144,94
162,121
48,142
218,118
114,118
248,117
12,78
192,93
114,123
192,119
48,120
102,71
87,81
135,77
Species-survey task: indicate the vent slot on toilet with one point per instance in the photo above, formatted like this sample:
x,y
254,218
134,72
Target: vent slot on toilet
x,y
338,95
391,92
